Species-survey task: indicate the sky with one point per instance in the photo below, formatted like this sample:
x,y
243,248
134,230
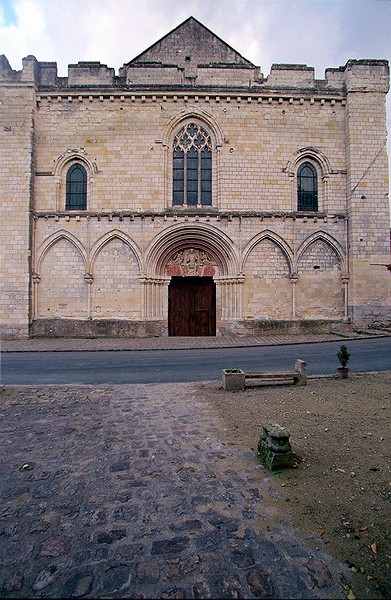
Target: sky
x,y
319,33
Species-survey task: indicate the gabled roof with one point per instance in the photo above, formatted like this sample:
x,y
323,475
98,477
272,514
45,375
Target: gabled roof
x,y
193,42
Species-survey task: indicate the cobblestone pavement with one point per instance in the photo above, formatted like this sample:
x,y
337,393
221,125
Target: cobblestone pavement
x,y
128,492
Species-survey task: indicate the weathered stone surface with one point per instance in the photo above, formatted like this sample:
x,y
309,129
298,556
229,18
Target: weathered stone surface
x,y
255,229
98,537
274,447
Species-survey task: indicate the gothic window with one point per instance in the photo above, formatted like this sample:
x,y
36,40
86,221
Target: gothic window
x,y
76,188
307,187
192,167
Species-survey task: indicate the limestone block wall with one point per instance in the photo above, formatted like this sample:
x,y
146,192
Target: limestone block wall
x,y
126,143
96,267
367,192
270,262
17,111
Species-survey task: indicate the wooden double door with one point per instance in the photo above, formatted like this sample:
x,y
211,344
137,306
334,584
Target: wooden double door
x,y
192,306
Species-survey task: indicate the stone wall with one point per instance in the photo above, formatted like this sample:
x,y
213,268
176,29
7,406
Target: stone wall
x,y
107,269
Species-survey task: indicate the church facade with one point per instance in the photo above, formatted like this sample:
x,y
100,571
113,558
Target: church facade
x,y
191,195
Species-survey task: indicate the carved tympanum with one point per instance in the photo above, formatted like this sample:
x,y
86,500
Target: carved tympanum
x,y
191,262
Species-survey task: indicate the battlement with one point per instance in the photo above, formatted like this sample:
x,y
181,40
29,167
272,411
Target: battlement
x,y
357,75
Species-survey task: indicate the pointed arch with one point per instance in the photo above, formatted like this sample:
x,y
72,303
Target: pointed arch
x,y
267,269
311,154
80,195
327,239
54,239
309,170
276,239
61,274
191,165
319,289
74,155
185,115
112,235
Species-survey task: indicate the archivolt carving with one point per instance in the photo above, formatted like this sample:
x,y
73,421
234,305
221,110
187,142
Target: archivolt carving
x,y
214,248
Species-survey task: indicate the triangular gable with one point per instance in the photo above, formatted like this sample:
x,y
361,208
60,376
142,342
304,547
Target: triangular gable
x,y
190,41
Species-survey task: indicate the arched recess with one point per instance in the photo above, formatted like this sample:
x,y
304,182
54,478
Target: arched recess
x,y
276,239
115,278
267,266
172,127
320,290
63,163
322,166
327,239
54,239
308,153
107,238
61,270
220,251
190,250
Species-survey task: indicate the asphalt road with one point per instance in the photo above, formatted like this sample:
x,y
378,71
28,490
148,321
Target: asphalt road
x,y
168,366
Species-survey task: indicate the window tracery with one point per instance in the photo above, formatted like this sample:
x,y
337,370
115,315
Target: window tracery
x,y
192,166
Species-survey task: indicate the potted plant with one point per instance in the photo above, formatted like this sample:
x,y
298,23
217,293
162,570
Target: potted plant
x,y
343,356
233,379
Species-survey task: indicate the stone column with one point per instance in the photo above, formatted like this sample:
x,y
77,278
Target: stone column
x,y
155,303
294,278
231,297
88,278
345,280
36,279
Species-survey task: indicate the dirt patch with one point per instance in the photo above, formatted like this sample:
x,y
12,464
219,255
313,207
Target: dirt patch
x,y
338,496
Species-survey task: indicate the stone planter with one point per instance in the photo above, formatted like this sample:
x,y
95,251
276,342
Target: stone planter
x,y
233,380
343,372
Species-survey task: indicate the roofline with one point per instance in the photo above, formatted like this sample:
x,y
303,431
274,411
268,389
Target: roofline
x,y
177,27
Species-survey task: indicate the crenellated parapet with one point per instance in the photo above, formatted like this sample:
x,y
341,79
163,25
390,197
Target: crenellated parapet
x,y
356,76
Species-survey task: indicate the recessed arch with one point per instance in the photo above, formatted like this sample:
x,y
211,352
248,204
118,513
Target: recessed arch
x,y
177,121
52,240
276,239
311,154
180,237
327,239
108,237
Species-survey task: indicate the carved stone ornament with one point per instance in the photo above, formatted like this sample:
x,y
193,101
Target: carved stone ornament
x,y
189,262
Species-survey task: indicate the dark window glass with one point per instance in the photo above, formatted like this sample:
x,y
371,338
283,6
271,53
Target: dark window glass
x,y
178,177
76,188
206,177
192,167
307,188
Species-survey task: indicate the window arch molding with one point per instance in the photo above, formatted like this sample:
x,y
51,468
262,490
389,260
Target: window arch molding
x,y
61,168
317,161
207,123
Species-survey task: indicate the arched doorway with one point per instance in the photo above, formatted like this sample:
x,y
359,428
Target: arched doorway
x,y
192,306
197,265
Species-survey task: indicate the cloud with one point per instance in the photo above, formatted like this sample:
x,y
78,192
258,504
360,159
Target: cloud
x,y
319,33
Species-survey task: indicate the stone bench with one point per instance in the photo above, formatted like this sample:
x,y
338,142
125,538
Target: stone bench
x,y
236,379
